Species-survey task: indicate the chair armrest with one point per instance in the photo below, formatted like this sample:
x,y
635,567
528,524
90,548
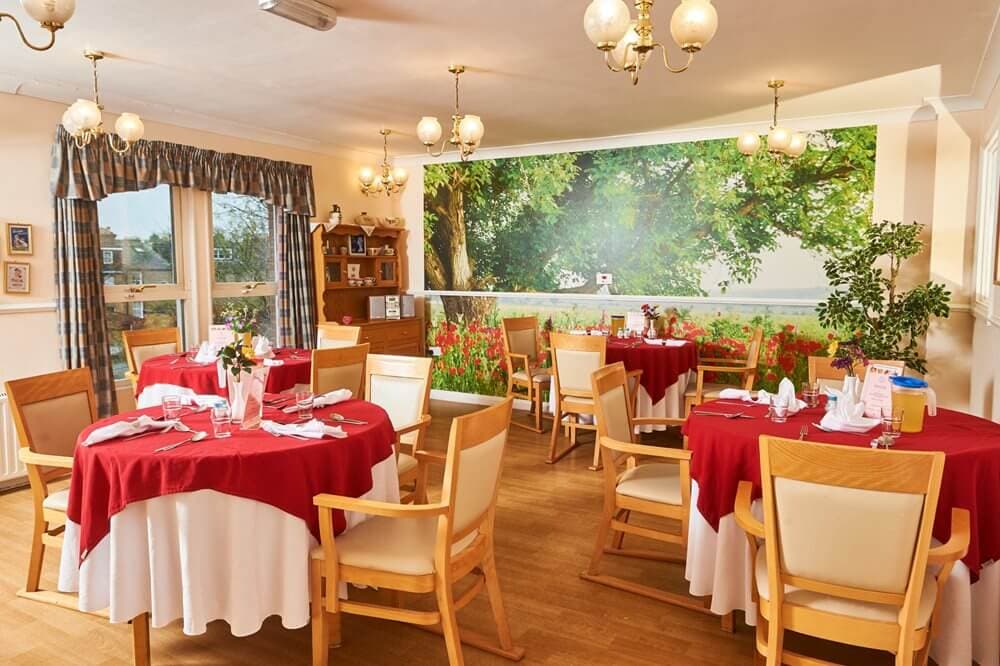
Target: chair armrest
x,y
634,373
744,518
724,368
430,456
575,393
521,358
419,424
958,543
29,457
716,361
645,449
373,508
657,420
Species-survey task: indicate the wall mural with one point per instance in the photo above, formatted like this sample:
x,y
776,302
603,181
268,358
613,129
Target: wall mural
x,y
694,219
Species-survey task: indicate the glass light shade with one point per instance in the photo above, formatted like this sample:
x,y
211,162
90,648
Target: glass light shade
x,y
694,24
378,185
797,144
748,143
129,127
622,55
67,122
366,175
55,12
85,114
606,22
400,176
778,139
429,130
471,130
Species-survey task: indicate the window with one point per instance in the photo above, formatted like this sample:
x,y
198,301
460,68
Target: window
x,y
108,257
986,222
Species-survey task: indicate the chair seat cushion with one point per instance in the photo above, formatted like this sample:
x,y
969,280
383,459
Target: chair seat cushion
x,y
656,482
709,390
57,501
405,463
538,375
849,607
396,545
571,404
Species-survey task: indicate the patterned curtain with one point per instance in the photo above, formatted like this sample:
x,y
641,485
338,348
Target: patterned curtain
x,y
296,288
83,330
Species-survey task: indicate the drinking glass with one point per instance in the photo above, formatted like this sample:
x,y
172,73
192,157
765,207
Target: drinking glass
x,y
892,424
304,401
172,407
779,412
221,420
811,397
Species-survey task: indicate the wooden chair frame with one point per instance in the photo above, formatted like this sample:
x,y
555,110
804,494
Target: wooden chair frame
x,y
477,559
335,357
745,367
145,337
820,368
409,367
331,331
529,389
45,468
890,471
582,343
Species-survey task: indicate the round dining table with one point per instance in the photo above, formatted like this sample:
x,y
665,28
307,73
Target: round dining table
x,y
725,451
217,528
666,367
180,374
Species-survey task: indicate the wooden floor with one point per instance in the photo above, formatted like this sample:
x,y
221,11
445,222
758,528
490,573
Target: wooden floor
x,y
546,519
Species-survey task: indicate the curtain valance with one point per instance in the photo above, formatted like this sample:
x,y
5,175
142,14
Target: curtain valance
x,y
96,171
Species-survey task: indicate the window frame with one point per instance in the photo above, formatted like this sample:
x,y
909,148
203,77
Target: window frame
x,y
987,225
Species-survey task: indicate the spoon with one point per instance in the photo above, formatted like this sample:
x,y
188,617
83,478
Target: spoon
x,y
196,437
343,419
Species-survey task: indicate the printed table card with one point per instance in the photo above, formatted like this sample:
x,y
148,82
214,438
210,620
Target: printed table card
x,y
876,392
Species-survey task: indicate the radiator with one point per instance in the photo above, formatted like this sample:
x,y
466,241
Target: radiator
x,y
12,472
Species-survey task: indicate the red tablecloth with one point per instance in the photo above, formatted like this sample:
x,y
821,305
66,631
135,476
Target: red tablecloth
x,y
204,379
281,471
661,366
725,452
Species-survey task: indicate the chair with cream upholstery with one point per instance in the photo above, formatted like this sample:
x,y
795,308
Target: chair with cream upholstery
x,y
401,385
847,553
145,343
746,368
331,336
524,378
339,368
660,489
822,373
574,359
421,548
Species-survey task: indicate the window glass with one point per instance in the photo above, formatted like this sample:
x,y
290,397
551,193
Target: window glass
x,y
266,317
135,315
137,237
243,236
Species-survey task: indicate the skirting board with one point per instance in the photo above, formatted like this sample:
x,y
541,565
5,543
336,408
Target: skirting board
x,y
475,399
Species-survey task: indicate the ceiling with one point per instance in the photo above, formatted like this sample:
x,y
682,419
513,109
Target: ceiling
x,y
533,75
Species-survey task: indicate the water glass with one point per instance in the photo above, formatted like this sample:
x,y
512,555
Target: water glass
x,y
892,425
304,401
779,412
811,397
172,407
221,420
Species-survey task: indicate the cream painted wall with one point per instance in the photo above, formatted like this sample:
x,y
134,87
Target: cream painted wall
x,y
28,341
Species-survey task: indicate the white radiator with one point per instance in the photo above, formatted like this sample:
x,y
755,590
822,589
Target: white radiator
x,y
12,472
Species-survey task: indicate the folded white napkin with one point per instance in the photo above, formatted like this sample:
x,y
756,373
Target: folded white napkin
x,y
268,362
200,400
597,331
654,341
670,342
134,427
314,429
734,394
848,415
784,396
578,331
325,400
206,353
262,347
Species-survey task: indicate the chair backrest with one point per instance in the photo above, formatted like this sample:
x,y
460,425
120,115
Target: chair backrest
x,y
332,336
574,360
401,385
520,336
51,410
145,343
611,403
339,368
848,522
753,348
822,372
472,472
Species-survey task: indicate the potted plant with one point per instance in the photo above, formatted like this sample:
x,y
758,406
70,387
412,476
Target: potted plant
x,y
244,379
651,313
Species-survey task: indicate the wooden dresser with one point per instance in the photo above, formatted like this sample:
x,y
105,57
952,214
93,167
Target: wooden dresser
x,y
402,336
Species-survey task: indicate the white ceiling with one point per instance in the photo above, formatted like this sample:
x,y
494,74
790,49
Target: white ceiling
x,y
533,76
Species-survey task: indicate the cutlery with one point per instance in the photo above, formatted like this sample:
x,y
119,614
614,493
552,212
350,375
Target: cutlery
x,y
803,431
196,437
180,427
734,415
343,419
840,432
304,439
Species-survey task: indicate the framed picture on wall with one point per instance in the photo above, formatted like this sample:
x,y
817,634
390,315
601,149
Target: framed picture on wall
x,y
19,239
358,245
16,277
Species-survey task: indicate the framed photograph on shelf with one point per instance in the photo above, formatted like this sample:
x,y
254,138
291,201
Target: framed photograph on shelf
x,y
19,239
16,277
358,245
353,271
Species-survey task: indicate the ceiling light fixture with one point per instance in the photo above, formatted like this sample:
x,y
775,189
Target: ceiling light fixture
x,y
50,14
384,178
780,140
628,43
311,13
83,118
466,131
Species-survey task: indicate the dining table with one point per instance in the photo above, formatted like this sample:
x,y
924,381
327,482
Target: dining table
x,y
180,374
217,529
725,451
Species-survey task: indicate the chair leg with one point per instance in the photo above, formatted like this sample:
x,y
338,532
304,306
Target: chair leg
x,y
557,421
35,561
597,453
619,539
538,410
496,602
318,616
775,643
449,623
140,640
602,540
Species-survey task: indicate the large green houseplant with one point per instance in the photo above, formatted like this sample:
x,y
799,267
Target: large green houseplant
x,y
868,304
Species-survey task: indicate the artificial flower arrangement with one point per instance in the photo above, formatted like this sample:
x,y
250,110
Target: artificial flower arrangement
x,y
237,357
847,355
650,311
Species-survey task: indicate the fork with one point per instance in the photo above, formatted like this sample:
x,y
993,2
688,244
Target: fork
x,y
803,431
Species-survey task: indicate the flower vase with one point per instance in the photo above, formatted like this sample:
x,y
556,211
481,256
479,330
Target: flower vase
x,y
852,388
650,331
246,397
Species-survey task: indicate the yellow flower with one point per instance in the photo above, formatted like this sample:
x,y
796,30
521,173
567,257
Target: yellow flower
x,y
832,349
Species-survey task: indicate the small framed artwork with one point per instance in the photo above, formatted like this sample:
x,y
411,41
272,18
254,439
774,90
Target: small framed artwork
x,y
19,239
358,245
16,277
353,271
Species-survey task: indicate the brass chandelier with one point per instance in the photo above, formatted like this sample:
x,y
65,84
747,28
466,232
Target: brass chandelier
x,y
50,14
384,178
627,44
781,141
466,130
84,123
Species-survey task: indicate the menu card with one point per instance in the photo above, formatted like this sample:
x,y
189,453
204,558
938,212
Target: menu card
x,y
219,335
635,321
876,392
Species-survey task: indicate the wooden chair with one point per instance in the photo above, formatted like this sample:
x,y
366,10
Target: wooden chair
x,y
661,489
401,385
574,359
524,378
331,336
847,553
821,371
339,368
421,548
745,367
145,343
